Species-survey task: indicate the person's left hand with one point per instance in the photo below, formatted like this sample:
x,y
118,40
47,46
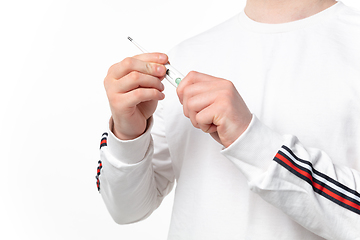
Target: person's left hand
x,y
214,106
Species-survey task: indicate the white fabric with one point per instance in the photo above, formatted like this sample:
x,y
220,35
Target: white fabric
x,y
301,80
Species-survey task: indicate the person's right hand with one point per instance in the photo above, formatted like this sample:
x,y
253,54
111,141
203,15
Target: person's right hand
x,y
133,87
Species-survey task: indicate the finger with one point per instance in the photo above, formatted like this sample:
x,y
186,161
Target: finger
x,y
193,78
131,64
160,58
136,80
198,103
139,95
206,118
197,94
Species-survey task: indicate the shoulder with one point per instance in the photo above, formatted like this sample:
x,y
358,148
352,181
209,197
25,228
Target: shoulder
x,y
348,17
344,30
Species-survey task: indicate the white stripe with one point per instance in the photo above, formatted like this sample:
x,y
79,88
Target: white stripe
x,y
319,178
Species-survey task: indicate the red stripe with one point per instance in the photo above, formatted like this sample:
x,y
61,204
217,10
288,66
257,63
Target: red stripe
x,y
306,174
103,141
341,199
321,188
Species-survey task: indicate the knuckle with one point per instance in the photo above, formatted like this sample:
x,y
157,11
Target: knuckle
x,y
148,68
127,62
229,85
185,111
191,103
106,83
154,93
134,76
203,126
199,118
194,121
228,88
142,93
192,74
113,67
138,92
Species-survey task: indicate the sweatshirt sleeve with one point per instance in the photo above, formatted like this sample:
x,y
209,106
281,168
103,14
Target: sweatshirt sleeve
x,y
134,176
302,182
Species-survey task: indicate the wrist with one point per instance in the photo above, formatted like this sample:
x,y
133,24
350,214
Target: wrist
x,y
124,137
127,151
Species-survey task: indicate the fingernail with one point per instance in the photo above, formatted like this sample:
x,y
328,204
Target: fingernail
x,y
162,57
159,69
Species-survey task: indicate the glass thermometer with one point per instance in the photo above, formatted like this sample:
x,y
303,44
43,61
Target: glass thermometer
x,y
172,75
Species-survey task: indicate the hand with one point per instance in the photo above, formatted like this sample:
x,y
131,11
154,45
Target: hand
x,y
214,106
133,87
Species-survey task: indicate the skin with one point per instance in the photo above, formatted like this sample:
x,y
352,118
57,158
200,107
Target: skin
x,y
134,87
282,11
203,98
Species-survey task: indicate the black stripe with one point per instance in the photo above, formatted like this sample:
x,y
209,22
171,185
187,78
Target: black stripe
x,y
99,168
104,143
337,183
292,170
344,205
336,192
98,172
104,137
316,181
295,164
322,175
320,182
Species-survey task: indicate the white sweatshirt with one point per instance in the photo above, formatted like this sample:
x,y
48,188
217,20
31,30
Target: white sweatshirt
x,y
294,173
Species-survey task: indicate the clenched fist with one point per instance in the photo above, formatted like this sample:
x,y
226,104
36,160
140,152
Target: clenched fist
x,y
214,106
133,87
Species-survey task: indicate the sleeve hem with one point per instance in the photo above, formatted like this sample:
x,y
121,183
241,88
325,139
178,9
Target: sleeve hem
x,y
256,147
129,151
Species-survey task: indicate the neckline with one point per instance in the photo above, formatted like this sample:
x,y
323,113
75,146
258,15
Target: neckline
x,y
254,26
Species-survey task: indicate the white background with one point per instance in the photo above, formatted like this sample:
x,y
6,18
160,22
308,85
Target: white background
x,y
54,56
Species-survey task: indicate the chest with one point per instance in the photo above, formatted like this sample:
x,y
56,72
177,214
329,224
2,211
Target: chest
x,y
307,88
